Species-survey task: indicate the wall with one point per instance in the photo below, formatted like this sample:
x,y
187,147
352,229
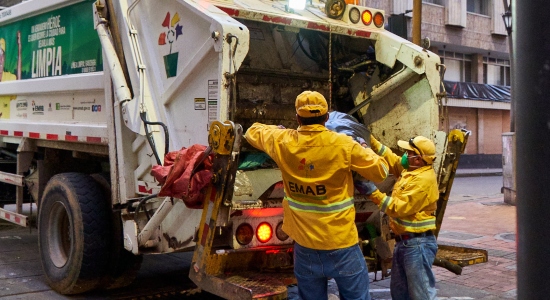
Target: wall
x,y
464,118
476,34
491,141
484,148
486,127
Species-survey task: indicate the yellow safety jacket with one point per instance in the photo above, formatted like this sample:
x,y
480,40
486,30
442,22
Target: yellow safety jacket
x,y
316,166
413,201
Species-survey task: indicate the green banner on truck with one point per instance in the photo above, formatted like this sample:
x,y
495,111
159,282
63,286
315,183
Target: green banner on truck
x,y
59,42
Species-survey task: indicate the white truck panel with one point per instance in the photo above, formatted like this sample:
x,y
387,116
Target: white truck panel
x,y
42,104
77,82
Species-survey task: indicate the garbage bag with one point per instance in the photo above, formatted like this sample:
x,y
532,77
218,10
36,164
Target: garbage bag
x,y
185,174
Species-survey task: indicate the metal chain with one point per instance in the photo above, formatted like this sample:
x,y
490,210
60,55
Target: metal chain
x,y
330,66
441,97
232,76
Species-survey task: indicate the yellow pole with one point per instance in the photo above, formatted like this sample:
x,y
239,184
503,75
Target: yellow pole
x,y
417,22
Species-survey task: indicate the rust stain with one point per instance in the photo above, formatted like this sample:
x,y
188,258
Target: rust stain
x,y
230,11
362,33
317,26
278,20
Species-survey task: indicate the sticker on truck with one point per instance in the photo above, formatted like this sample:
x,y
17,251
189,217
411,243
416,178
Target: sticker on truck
x,y
170,35
212,100
59,42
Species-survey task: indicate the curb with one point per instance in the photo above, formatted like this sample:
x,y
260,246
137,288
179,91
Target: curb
x,y
478,174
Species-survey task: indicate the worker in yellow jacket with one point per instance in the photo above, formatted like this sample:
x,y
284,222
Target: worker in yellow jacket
x,y
319,213
411,208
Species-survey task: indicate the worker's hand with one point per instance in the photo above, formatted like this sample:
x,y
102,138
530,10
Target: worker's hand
x,y
365,187
377,196
362,141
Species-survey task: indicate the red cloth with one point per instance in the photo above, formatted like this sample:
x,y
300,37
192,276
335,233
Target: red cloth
x,y
177,177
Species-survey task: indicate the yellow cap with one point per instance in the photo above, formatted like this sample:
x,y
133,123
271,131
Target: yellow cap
x,y
3,44
420,145
311,104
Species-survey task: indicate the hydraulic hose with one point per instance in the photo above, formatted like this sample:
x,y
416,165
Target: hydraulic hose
x,y
143,116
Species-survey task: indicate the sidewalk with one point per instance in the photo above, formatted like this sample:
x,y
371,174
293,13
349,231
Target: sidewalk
x,y
461,172
480,222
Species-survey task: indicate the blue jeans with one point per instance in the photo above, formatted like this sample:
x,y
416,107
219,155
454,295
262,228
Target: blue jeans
x,y
411,272
347,266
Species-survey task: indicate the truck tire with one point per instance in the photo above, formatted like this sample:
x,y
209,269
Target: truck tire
x,y
73,221
123,266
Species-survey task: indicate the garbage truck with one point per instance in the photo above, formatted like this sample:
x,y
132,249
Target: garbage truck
x,y
121,127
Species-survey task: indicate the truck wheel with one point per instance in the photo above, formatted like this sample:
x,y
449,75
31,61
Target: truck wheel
x,y
73,222
123,266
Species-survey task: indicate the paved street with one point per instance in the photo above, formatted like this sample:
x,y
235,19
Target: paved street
x,y
476,217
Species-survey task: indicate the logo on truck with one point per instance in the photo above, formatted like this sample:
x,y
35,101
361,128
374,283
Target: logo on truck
x,y
22,104
37,109
173,31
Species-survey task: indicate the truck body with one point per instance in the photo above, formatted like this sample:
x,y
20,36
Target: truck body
x,y
95,94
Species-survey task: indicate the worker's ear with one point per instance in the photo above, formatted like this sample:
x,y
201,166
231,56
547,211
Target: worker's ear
x,y
298,119
326,119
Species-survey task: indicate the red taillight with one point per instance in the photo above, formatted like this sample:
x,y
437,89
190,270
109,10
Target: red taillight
x,y
244,234
264,232
366,17
378,19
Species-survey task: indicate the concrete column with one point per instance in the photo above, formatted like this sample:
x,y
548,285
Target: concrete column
x,y
480,131
477,68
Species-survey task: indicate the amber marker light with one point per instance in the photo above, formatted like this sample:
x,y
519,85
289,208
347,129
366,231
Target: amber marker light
x,y
244,234
264,232
366,17
378,19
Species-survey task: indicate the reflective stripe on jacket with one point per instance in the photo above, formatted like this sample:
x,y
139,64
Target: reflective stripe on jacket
x,y
413,201
316,166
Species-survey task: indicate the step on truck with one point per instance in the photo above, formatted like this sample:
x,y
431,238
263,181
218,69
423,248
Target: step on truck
x,y
99,97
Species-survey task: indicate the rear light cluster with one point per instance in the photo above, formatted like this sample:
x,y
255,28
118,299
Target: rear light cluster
x,y
245,233
358,13
260,227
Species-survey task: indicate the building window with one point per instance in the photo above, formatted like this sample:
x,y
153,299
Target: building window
x,y
458,66
496,71
438,2
478,7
